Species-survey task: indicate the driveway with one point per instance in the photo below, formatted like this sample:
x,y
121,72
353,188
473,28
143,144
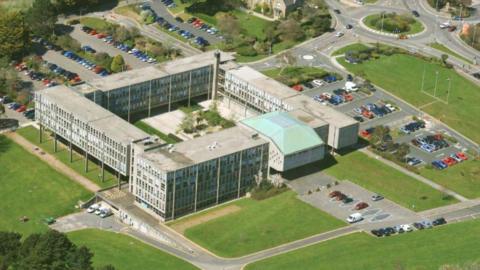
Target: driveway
x,y
101,46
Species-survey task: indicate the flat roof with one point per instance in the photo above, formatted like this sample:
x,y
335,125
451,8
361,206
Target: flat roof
x,y
262,82
285,131
153,72
327,114
208,147
307,118
86,110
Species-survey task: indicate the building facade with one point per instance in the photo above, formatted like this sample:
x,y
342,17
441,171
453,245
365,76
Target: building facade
x,y
173,181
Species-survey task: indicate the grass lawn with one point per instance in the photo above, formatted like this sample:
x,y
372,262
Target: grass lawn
x,y
402,75
415,27
129,11
31,134
378,177
153,131
261,225
295,75
29,187
95,23
351,47
463,178
125,252
446,50
19,5
427,249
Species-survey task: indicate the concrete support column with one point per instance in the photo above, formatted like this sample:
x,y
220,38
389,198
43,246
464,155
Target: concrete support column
x,y
41,133
71,151
218,178
240,174
196,191
119,179
54,142
209,82
215,75
86,160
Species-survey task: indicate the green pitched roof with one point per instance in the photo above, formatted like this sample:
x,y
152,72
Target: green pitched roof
x,y
289,134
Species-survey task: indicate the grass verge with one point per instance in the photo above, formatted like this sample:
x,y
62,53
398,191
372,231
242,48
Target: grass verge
x,y
427,249
31,134
29,187
259,225
446,50
124,252
153,131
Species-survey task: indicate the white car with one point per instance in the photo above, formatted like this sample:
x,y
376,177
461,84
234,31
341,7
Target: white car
x,y
406,227
318,82
339,34
94,207
390,107
355,217
445,25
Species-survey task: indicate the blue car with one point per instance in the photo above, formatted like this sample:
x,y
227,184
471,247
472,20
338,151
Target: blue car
x,y
439,164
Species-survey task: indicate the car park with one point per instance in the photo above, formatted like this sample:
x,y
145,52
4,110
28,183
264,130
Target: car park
x,y
412,127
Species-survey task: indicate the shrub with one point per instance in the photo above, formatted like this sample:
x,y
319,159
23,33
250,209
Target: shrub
x,y
266,190
247,51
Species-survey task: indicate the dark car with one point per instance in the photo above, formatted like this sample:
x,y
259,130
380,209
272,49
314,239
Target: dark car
x,y
337,11
349,77
349,26
358,118
347,200
418,225
476,75
415,13
178,19
389,231
309,85
378,233
439,221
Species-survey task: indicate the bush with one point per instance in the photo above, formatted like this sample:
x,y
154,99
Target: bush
x,y
266,190
247,51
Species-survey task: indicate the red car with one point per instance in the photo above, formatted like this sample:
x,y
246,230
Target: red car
x,y
298,88
93,32
461,155
101,35
334,194
21,108
449,161
347,97
365,134
361,205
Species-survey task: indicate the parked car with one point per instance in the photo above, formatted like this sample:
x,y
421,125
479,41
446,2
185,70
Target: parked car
x,y
413,161
92,208
462,155
415,13
406,227
361,205
377,197
439,221
355,217
318,82
334,194
358,118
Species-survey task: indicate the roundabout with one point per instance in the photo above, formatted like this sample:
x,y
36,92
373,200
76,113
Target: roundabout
x,y
393,24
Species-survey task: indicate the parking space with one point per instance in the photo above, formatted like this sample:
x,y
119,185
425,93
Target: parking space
x,y
84,220
315,192
100,46
62,61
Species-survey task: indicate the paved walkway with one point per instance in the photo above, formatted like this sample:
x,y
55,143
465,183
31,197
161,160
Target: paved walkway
x,y
53,162
416,176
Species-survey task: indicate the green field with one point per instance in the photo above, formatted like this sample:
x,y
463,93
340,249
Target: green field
x,y
31,188
380,178
463,178
295,75
413,28
446,50
31,134
124,252
95,23
261,225
427,249
402,75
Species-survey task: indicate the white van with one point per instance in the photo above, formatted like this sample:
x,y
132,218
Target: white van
x,y
351,87
355,217
94,207
105,212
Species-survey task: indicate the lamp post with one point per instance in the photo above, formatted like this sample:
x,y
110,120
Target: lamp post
x,y
449,88
436,83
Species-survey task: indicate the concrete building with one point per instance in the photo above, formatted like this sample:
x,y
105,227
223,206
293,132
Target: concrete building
x,y
186,177
96,132
292,142
263,94
142,90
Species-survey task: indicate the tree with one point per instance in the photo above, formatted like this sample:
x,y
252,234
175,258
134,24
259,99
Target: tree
x,y
9,241
379,134
14,35
229,25
118,64
68,43
290,30
444,58
402,150
41,18
106,267
188,123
